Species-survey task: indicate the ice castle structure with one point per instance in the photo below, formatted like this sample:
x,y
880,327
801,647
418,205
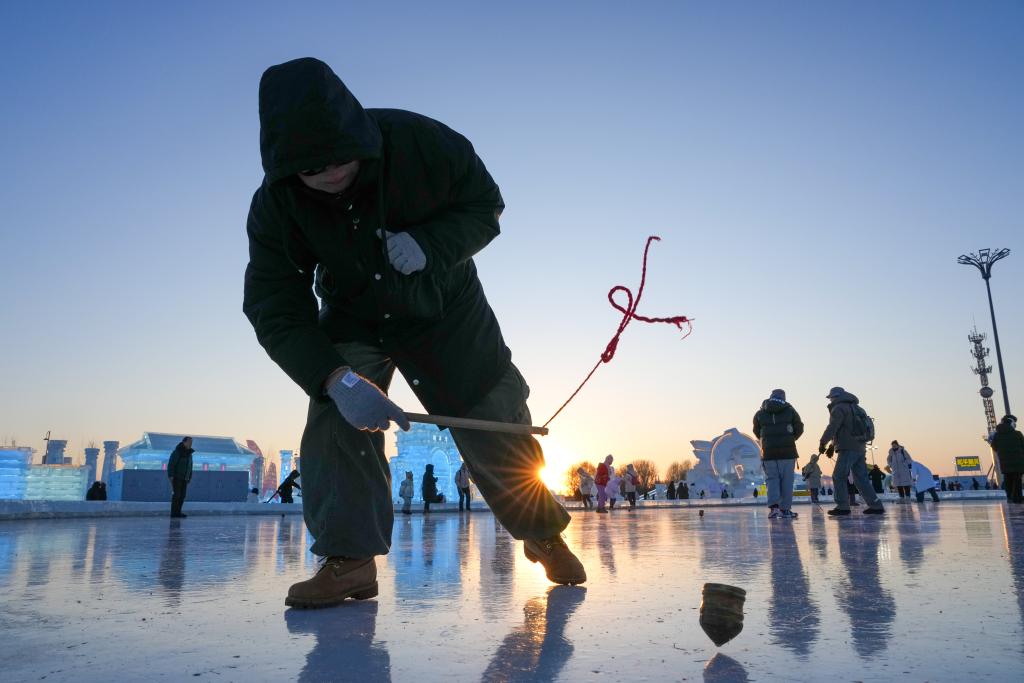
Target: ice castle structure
x,y
212,453
420,446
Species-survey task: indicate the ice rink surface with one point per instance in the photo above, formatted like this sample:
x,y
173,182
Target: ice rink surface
x,y
929,592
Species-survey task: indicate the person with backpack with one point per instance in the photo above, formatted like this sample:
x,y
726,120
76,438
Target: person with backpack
x,y
899,464
778,426
848,432
1008,443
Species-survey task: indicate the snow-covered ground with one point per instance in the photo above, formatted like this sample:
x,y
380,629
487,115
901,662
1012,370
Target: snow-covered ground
x,y
927,592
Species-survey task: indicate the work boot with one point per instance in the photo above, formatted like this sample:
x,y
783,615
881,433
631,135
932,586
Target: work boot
x,y
560,565
337,579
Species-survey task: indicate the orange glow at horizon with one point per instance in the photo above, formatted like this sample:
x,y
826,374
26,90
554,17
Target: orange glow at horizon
x,y
557,458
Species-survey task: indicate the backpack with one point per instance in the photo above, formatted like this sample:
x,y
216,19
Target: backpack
x,y
863,426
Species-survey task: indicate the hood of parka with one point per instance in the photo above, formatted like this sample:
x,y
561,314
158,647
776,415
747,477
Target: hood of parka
x,y
309,119
773,406
845,397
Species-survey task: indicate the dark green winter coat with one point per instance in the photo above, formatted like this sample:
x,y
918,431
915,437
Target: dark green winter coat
x,y
778,426
179,465
416,175
1008,443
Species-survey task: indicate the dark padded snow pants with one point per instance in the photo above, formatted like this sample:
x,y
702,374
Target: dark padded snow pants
x,y
346,487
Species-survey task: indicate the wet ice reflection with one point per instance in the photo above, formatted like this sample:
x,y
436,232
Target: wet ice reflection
x,y
934,590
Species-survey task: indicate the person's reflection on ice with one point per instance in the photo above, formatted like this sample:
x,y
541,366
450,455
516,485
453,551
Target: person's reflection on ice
x,y
538,649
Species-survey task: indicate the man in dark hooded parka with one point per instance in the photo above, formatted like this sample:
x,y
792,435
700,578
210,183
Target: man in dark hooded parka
x,y
379,213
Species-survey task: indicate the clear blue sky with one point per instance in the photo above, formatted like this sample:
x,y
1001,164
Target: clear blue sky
x,y
814,169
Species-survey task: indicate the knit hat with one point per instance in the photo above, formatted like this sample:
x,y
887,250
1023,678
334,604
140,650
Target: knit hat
x,y
835,392
777,395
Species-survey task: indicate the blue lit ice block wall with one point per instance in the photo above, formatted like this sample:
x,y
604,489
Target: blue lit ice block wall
x,y
420,446
56,482
14,464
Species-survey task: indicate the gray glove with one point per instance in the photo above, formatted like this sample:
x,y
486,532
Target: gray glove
x,y
363,405
404,253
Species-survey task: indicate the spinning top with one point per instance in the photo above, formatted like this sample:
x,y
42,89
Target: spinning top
x,y
721,612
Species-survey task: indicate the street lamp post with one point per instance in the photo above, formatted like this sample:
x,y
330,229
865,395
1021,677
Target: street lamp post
x,y
983,261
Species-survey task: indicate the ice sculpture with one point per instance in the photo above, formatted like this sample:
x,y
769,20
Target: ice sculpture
x,y
420,446
732,459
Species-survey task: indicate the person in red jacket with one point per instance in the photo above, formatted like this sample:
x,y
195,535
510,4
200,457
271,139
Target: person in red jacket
x,y
601,479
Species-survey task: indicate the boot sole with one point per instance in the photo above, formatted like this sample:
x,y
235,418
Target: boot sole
x,y
562,582
364,593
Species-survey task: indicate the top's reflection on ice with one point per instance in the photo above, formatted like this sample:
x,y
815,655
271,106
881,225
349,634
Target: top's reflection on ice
x,y
459,601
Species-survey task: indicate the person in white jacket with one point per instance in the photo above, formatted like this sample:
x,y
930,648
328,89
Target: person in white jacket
x,y
631,479
405,492
899,463
462,484
587,488
924,482
611,489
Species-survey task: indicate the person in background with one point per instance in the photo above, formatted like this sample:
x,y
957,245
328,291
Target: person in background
x,y
974,484
877,476
1008,443
924,482
98,491
683,491
899,462
462,484
612,489
586,488
428,487
811,473
631,481
601,479
253,496
285,489
942,484
670,491
179,473
778,426
406,491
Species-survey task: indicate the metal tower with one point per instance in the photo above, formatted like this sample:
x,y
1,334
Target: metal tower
x,y
980,353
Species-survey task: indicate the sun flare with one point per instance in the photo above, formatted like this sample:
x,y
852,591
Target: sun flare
x,y
557,458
